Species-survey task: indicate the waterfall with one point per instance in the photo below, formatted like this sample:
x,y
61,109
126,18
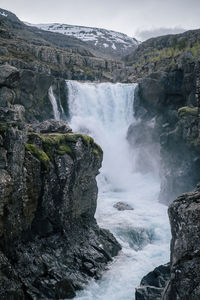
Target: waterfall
x,y
54,104
105,111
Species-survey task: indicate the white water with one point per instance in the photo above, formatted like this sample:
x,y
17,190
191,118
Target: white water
x,y
105,111
54,104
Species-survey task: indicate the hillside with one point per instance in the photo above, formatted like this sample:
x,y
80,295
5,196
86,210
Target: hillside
x,y
102,42
162,53
27,47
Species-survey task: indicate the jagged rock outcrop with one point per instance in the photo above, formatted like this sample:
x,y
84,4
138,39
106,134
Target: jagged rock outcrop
x,y
185,262
50,244
152,285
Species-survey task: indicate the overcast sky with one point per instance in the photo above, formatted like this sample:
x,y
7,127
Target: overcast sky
x,y
138,18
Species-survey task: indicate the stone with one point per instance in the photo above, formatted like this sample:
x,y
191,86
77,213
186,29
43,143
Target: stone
x,y
47,206
153,284
51,125
184,215
122,206
9,76
6,97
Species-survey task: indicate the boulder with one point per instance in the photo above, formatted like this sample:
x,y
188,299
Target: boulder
x,y
50,126
153,284
122,206
9,76
184,214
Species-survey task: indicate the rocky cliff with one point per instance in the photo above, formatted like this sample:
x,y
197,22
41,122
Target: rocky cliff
x,y
167,108
165,104
50,244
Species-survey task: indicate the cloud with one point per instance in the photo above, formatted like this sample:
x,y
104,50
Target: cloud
x,y
143,35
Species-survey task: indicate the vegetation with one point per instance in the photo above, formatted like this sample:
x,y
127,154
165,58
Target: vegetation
x,y
3,126
176,49
187,111
39,154
61,144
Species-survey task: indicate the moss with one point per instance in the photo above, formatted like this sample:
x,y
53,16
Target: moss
x,y
187,111
87,140
3,127
39,154
61,143
65,149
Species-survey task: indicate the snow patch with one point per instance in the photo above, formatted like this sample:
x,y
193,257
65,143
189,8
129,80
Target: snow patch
x,y
109,39
114,47
2,13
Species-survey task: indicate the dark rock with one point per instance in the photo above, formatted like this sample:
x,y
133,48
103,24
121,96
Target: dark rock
x,y
148,293
163,99
184,214
51,126
6,97
153,284
9,76
51,245
64,290
122,206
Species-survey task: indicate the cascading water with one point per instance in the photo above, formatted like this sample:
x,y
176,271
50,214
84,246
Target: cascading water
x,y
54,104
105,112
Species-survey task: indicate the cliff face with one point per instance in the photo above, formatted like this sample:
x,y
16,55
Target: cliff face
x,y
175,130
167,105
50,244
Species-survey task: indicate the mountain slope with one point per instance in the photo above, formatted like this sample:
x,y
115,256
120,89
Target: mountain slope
x,y
27,47
106,43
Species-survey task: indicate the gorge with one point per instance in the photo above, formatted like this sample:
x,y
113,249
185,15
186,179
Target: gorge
x,y
60,106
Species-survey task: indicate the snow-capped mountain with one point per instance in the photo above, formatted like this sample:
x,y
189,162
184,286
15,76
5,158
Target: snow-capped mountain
x,y
107,42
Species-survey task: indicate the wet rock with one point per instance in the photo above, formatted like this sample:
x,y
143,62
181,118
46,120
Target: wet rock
x,y
184,214
51,126
122,206
153,284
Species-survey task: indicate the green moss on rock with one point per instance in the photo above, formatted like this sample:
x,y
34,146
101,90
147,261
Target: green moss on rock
x,y
39,154
62,143
186,111
3,127
65,149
